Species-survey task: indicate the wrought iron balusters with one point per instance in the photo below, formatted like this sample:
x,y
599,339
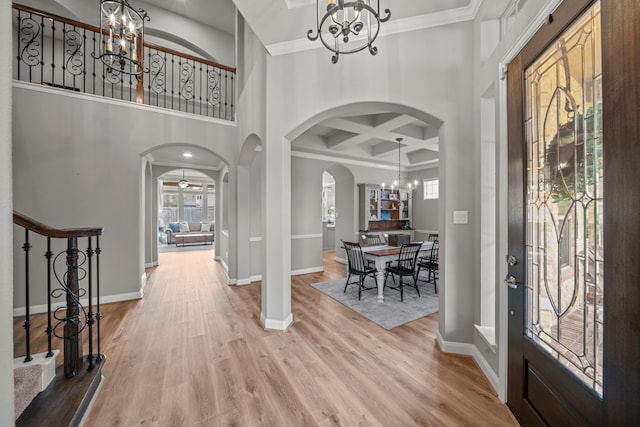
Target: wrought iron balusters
x,y
27,322
62,53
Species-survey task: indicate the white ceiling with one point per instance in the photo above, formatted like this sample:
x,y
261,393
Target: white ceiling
x,y
369,137
174,156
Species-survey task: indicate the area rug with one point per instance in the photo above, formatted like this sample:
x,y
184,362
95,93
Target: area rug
x,y
389,314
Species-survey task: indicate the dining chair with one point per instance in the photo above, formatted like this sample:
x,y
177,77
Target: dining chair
x,y
430,263
432,236
358,267
404,266
371,240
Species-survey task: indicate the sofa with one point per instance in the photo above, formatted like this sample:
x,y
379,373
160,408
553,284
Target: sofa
x,y
190,232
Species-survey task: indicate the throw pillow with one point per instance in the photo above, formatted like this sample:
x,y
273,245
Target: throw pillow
x,y
184,227
175,227
205,227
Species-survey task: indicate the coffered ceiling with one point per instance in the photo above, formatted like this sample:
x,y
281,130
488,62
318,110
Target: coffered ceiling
x,y
373,137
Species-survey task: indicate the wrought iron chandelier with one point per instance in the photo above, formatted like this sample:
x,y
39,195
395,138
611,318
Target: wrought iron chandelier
x,y
408,187
344,19
121,36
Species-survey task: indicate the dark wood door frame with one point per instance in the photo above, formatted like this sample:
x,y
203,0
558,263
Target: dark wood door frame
x,y
621,111
621,132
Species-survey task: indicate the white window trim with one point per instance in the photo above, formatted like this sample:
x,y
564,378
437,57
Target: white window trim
x,y
431,192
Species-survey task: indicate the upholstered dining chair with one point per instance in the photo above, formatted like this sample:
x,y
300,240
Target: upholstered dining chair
x,y
430,263
404,266
357,267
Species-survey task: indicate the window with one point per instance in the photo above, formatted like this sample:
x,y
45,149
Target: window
x,y
431,188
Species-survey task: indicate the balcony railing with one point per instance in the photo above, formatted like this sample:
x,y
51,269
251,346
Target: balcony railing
x,y
63,53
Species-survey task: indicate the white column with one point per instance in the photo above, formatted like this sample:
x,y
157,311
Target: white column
x,y
276,232
6,220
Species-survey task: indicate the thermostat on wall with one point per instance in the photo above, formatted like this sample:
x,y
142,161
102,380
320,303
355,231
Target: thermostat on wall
x,y
460,217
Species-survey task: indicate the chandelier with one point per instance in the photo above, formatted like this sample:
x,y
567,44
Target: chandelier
x,y
121,36
344,19
408,187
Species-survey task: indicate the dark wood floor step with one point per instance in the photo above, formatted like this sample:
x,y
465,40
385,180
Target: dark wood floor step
x,y
65,401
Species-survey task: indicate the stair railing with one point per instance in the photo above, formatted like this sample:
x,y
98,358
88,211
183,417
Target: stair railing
x,y
54,51
67,322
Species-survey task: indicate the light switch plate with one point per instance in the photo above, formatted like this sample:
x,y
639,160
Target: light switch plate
x,y
460,217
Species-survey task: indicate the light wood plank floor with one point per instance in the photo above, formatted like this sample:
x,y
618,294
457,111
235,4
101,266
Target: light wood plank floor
x,y
193,353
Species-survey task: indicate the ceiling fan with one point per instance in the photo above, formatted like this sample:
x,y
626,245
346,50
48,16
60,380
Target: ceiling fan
x,y
183,183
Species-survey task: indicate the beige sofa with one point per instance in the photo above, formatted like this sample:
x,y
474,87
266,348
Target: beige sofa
x,y
190,232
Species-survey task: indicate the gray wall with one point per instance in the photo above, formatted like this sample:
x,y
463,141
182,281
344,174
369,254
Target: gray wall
x,y
425,212
438,82
73,170
6,228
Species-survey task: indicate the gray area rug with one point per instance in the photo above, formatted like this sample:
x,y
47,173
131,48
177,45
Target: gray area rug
x,y
390,314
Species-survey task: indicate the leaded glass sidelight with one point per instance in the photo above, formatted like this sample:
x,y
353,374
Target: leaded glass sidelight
x,y
564,237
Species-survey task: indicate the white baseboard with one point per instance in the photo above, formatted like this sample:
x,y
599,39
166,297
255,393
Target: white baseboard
x,y
251,279
470,350
340,260
151,264
486,369
143,282
455,347
307,271
278,325
224,264
42,308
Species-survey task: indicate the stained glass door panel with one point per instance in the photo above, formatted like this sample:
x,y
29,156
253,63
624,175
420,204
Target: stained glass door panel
x,y
564,201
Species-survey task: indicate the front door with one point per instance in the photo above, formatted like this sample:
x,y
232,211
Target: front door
x,y
571,331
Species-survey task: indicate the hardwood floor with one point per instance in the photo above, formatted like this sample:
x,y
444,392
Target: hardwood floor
x,y
193,353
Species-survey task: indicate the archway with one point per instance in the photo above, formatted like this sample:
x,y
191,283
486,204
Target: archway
x,y
309,149
170,161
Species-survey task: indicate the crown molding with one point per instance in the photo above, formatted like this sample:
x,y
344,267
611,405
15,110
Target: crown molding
x,y
430,20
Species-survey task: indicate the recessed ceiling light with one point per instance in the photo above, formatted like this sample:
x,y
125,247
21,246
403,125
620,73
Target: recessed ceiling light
x,y
187,154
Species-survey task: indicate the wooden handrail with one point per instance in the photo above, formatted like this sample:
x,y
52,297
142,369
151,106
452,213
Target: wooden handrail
x,y
55,17
191,57
44,230
97,30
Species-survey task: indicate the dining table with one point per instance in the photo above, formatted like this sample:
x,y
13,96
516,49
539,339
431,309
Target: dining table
x,y
381,254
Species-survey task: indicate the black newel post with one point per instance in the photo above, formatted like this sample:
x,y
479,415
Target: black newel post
x,y
72,341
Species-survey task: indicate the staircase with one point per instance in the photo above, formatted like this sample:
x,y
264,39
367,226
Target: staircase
x,y
46,394
32,377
